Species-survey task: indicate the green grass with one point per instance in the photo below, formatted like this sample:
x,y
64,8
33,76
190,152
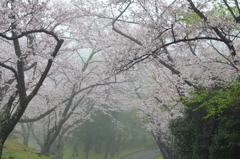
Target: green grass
x,y
17,151
159,157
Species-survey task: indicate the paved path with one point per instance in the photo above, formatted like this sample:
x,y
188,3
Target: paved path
x,y
146,154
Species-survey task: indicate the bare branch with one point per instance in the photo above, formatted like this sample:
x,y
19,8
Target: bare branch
x,y
236,3
9,68
44,74
120,32
217,31
30,32
229,8
37,118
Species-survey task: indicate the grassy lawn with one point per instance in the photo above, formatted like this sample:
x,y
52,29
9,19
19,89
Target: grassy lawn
x,y
14,150
159,157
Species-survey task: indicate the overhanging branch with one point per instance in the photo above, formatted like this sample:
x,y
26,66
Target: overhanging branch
x,y
120,32
37,118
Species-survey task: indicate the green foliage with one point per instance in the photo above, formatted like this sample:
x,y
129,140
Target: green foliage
x,y
215,100
102,136
218,105
226,140
96,131
217,9
221,8
188,137
191,18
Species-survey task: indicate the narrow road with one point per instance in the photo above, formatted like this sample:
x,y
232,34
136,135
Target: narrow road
x,y
146,154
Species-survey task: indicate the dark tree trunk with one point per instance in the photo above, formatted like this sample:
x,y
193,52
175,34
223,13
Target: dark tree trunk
x,y
3,138
134,137
113,144
98,147
75,151
207,133
26,130
107,150
59,146
9,118
37,138
55,131
165,150
119,143
87,149
7,123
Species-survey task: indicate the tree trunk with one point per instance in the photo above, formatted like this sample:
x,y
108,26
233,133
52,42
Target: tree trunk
x,y
134,137
120,141
207,133
98,147
87,148
50,138
25,140
75,151
26,130
165,150
1,147
107,150
37,138
45,150
108,146
60,148
6,127
2,140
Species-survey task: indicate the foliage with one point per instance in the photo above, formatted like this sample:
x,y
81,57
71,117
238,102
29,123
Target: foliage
x,y
191,18
95,131
226,140
216,100
178,46
187,135
217,104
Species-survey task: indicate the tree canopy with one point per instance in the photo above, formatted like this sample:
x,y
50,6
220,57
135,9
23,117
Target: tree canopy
x,y
63,61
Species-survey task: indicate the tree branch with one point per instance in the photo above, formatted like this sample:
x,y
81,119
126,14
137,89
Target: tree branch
x,y
44,74
120,32
10,68
30,32
216,30
37,118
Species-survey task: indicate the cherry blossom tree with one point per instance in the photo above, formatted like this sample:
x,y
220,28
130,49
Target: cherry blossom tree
x,y
30,42
175,46
36,27
184,44
78,89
